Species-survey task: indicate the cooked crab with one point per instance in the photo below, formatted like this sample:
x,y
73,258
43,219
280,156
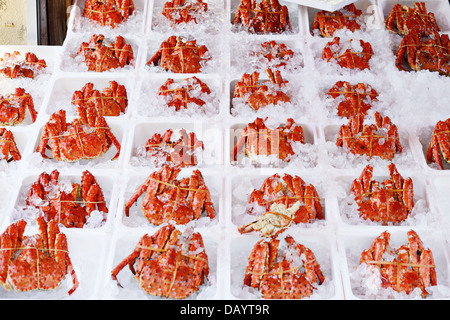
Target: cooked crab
x,y
287,200
403,269
260,94
388,201
268,16
100,56
181,151
17,67
180,56
76,140
108,12
181,94
420,52
402,19
283,269
274,52
353,99
327,23
13,107
35,262
168,199
379,139
170,263
112,101
68,204
354,54
439,147
257,139
8,146
183,11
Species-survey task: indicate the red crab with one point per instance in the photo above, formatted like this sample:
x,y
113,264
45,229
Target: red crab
x,y
352,55
273,51
178,11
178,152
22,69
380,139
440,143
8,146
68,205
180,56
403,269
13,107
389,201
182,94
286,199
99,56
353,99
327,23
424,53
76,140
259,95
268,16
168,199
402,19
292,273
257,139
108,12
35,262
112,101
170,263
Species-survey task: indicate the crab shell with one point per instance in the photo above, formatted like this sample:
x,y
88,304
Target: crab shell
x,y
180,94
8,146
24,69
108,12
439,147
349,58
169,263
13,108
327,23
178,12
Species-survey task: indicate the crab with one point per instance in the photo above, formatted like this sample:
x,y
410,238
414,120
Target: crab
x,y
170,263
388,201
76,140
182,11
100,56
180,56
180,152
108,12
27,68
424,53
168,199
112,101
8,146
268,16
440,144
402,19
287,200
35,262
283,269
379,139
182,94
257,139
354,54
353,99
259,95
327,23
403,269
13,107
68,204
274,52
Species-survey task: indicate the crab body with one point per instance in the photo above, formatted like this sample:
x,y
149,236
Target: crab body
x,y
292,273
68,205
169,263
274,52
76,140
355,54
26,68
167,199
403,269
13,107
8,146
182,11
37,262
389,201
108,12
439,147
327,23
380,139
181,95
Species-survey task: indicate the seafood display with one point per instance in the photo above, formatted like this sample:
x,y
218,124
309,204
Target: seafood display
x,y
238,149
